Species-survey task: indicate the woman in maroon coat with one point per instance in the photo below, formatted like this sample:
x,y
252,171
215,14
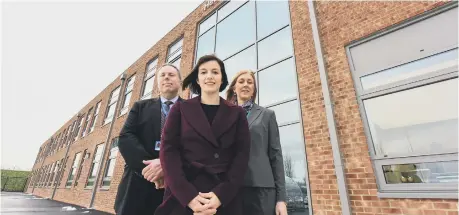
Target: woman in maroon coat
x,y
205,147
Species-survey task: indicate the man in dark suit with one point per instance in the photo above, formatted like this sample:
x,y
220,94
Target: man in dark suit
x,y
139,144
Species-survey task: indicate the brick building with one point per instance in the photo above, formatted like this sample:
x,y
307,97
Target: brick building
x,y
365,95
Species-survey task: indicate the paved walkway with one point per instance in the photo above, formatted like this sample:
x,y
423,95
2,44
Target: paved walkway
x,y
26,204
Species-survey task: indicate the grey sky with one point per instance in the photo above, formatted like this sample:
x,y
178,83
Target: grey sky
x,y
57,56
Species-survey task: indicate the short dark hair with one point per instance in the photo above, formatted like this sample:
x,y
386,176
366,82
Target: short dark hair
x,y
191,80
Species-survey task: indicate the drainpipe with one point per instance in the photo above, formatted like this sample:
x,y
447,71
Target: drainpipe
x,y
339,168
107,141
70,140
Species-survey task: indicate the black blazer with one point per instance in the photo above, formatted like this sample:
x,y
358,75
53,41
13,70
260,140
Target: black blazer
x,y
137,143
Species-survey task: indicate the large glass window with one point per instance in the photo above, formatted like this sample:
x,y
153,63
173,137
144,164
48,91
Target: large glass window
x,y
111,161
73,169
112,105
267,21
236,31
95,165
249,36
410,116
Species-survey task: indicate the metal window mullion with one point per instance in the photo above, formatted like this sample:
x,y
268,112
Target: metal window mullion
x,y
274,32
281,102
275,63
416,82
231,12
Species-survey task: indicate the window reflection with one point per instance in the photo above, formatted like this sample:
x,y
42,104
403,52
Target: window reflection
x,y
228,8
275,48
244,60
435,172
236,31
294,167
267,23
417,68
282,74
207,24
286,112
206,44
416,121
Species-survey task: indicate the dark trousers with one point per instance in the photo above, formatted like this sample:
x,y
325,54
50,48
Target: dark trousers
x,y
259,201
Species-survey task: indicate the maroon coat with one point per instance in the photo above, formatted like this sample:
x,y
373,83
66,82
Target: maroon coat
x,y
197,157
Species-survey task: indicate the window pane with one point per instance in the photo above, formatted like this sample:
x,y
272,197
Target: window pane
x,y
115,95
95,167
281,42
206,44
127,100
98,154
267,23
294,166
176,63
111,110
422,120
282,75
228,8
207,24
175,46
435,172
244,60
152,64
287,112
236,32
417,68
174,56
111,167
148,86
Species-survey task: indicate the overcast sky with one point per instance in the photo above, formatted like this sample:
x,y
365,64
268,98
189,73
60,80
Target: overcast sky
x,y
56,57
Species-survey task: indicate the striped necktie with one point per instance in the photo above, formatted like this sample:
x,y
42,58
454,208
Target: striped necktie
x,y
167,107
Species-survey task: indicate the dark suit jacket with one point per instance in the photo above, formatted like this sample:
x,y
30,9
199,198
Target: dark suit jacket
x,y
137,143
198,157
266,166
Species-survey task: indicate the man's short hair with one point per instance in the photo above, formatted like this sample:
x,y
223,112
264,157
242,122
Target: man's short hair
x,y
171,65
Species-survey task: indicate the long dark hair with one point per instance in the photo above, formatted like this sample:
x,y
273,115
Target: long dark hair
x,y
191,81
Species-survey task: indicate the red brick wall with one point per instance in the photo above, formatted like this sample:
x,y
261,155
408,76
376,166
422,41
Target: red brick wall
x,y
339,24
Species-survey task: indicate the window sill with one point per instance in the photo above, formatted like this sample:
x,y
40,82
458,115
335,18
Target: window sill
x,y
88,188
106,123
413,195
104,188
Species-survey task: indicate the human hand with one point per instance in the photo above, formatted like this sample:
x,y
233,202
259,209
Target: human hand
x,y
281,208
214,201
200,206
152,169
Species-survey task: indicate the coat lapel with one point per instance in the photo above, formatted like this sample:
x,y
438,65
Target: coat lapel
x,y
155,110
254,114
224,119
195,116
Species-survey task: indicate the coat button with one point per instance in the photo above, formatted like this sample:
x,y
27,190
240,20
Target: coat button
x,y
216,155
